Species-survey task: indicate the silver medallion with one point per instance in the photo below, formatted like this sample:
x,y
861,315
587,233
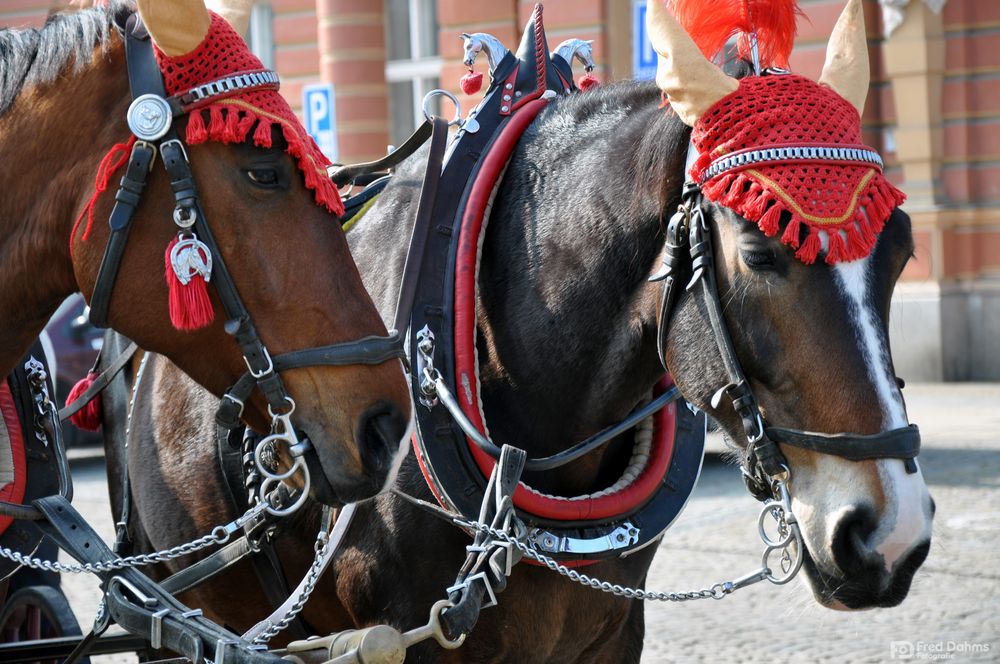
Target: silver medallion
x,y
191,257
149,117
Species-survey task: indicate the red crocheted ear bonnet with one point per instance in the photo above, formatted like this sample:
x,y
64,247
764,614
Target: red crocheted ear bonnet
x,y
231,117
785,144
776,146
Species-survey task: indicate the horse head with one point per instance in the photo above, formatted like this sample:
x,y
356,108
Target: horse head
x,y
261,188
812,337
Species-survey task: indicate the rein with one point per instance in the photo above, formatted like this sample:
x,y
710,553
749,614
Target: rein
x,y
150,119
689,248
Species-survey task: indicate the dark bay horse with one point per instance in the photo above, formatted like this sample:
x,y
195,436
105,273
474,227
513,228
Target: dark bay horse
x,y
568,330
64,93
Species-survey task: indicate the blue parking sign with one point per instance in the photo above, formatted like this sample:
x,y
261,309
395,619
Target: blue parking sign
x,y
643,55
319,108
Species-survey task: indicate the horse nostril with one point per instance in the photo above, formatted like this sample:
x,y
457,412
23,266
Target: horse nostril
x,y
381,432
851,549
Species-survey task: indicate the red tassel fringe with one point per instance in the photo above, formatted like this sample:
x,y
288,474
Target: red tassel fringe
x,y
471,82
89,417
851,240
234,125
196,130
190,306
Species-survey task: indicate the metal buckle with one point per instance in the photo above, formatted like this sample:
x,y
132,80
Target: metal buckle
x,y
260,374
235,400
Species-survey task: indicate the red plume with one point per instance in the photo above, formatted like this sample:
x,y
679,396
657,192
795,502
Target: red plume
x,y
712,22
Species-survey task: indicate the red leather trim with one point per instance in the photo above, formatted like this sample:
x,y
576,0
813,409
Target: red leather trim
x,y
12,492
428,478
466,265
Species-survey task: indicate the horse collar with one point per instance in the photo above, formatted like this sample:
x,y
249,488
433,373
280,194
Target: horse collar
x,y
451,440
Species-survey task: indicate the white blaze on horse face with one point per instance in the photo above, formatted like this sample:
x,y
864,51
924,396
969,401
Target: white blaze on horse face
x,y
905,521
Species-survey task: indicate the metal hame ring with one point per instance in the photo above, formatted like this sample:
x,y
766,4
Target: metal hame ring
x,y
455,121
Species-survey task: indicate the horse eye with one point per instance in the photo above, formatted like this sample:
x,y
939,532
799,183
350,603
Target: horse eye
x,y
263,177
758,260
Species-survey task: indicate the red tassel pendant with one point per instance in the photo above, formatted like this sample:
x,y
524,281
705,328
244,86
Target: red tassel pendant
x,y
471,82
89,417
188,269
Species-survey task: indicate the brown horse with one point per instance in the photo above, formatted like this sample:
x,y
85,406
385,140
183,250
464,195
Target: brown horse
x,y
64,93
568,344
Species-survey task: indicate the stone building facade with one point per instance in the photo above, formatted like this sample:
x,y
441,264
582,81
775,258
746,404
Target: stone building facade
x,y
933,112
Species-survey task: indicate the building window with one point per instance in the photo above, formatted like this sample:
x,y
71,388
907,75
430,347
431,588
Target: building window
x,y
414,62
260,36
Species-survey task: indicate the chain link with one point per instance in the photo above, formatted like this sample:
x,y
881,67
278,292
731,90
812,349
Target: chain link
x,y
219,535
780,510
312,577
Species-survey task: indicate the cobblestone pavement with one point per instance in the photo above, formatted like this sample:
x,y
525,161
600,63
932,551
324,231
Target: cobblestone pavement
x,y
955,599
955,595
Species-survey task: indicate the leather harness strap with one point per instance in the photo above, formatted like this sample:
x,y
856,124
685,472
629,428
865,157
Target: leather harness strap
x,y
422,222
144,78
100,383
345,175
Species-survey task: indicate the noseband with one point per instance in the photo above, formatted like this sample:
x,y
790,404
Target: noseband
x,y
689,249
150,100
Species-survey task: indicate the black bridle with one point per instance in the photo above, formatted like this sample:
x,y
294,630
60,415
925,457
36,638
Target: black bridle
x,y
689,249
263,371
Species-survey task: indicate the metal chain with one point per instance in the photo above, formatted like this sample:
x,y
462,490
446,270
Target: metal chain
x,y
312,577
780,510
219,535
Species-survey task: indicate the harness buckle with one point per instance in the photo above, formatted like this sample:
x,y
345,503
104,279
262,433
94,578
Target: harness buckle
x,y
260,374
179,144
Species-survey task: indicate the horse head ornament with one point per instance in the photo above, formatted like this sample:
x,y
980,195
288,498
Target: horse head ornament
x,y
581,49
480,41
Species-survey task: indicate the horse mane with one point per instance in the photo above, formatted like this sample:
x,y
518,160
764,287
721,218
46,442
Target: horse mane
x,y
38,55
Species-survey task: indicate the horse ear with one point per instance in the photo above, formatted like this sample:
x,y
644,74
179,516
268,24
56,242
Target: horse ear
x,y
236,12
176,26
691,82
846,68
